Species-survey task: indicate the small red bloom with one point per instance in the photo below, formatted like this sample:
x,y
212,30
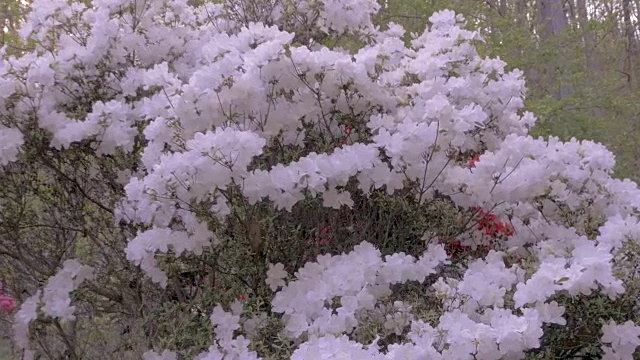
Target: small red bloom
x,y
473,161
243,297
347,130
491,225
7,304
456,247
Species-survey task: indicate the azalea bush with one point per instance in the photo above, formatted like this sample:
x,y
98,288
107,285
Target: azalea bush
x,y
292,179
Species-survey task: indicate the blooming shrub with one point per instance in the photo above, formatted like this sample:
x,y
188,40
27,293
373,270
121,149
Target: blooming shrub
x,y
192,137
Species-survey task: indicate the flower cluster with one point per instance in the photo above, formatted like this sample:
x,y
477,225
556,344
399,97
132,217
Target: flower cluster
x,y
200,102
357,279
491,225
487,223
623,339
7,304
54,301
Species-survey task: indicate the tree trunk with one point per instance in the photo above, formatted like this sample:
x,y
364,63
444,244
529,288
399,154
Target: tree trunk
x,y
592,62
502,6
552,23
593,65
552,17
632,47
521,12
3,22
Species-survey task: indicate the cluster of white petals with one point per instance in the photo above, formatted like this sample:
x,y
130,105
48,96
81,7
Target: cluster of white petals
x,y
621,339
357,279
54,301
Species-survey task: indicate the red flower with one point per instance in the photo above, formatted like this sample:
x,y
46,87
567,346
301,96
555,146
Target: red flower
x,y
491,225
243,297
456,247
473,161
7,304
347,130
